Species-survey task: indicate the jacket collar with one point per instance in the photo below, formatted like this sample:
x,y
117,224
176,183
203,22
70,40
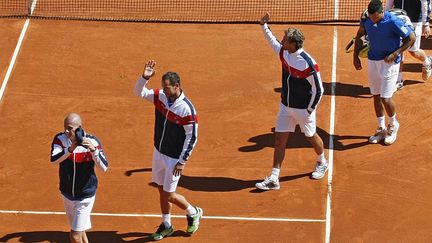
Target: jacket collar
x,y
179,99
296,53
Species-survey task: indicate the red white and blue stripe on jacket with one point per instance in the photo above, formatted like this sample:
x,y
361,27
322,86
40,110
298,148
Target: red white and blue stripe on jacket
x,y
76,171
176,126
302,86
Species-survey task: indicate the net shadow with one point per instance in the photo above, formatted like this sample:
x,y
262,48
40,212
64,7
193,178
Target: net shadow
x,y
217,184
93,236
412,67
426,43
298,140
343,89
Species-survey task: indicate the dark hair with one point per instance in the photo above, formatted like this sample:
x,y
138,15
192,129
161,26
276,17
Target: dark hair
x,y
375,6
296,36
173,78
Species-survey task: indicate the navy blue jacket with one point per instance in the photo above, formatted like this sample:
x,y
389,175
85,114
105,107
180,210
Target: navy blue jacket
x,y
76,171
176,126
302,86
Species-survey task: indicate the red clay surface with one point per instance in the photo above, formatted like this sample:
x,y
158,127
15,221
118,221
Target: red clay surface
x,y
380,193
9,34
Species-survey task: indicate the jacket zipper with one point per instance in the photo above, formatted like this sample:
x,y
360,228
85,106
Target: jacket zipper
x,y
73,178
287,80
163,131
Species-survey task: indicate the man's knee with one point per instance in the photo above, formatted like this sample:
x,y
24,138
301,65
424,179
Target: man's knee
x,y
167,196
76,236
314,138
171,196
377,98
281,139
310,136
386,100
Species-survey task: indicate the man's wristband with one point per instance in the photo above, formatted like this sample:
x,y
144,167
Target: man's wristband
x,y
69,150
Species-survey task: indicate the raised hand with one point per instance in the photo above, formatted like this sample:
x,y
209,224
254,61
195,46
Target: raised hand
x,y
149,69
265,18
88,144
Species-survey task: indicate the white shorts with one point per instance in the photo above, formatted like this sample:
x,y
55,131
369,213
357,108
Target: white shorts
x,y
162,171
418,29
382,77
78,213
288,118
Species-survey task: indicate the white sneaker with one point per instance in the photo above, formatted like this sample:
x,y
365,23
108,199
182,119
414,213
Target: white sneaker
x,y
391,134
268,184
399,85
427,70
379,135
320,170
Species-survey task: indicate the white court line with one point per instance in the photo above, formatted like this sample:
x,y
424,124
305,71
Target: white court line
x,y
14,56
331,133
16,51
172,216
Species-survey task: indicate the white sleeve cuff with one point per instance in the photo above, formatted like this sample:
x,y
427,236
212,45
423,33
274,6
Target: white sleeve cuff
x,y
181,161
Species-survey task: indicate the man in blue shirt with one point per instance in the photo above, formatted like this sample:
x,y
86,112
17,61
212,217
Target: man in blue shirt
x,y
385,31
418,12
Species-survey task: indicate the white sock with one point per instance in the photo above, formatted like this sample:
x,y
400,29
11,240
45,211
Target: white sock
x,y
381,121
191,210
275,173
427,61
392,120
321,158
166,220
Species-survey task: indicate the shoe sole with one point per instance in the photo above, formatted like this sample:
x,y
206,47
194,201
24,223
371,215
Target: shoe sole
x,y
158,239
267,188
317,178
376,141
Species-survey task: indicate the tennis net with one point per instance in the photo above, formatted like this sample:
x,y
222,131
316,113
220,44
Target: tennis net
x,y
217,11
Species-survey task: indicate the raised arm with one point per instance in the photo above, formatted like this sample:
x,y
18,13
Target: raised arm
x,y
59,152
389,5
140,88
97,153
271,39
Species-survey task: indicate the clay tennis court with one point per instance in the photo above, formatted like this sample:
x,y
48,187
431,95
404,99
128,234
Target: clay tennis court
x,y
378,193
